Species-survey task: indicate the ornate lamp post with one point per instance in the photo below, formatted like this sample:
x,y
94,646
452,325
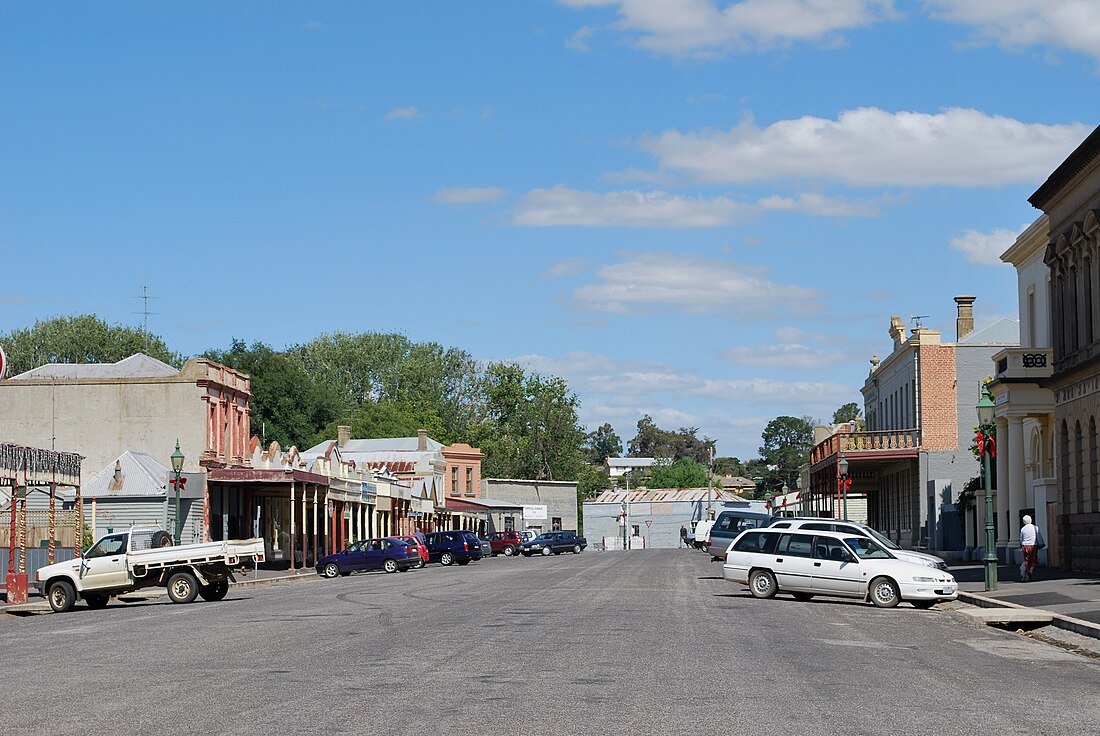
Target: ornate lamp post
x,y
177,467
845,481
987,448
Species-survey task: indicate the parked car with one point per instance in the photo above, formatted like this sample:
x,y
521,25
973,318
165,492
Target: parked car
x,y
420,548
486,547
555,543
526,535
810,523
702,531
505,543
728,525
808,563
387,553
450,547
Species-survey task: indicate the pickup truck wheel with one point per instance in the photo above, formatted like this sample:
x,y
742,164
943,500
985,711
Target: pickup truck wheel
x,y
509,551
576,549
390,565
546,551
62,596
446,559
214,591
161,539
96,600
183,587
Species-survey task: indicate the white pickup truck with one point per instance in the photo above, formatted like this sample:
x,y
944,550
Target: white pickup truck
x,y
139,558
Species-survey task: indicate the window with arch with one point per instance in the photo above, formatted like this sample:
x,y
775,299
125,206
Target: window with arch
x,y
1078,464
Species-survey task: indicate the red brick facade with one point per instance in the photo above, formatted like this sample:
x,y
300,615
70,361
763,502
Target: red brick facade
x,y
939,421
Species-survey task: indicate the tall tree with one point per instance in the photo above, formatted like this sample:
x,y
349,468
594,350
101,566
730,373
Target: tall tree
x,y
847,413
603,443
288,404
530,427
84,338
682,473
729,466
786,448
652,441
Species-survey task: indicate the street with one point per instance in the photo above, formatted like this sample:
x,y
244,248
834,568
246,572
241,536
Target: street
x,y
651,642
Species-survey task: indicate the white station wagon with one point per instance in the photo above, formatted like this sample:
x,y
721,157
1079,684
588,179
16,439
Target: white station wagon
x,y
809,563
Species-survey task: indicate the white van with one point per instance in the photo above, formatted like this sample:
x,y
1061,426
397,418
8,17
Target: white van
x,y
702,531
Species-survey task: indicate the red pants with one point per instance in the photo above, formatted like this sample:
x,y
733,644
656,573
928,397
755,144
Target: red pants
x,y
1031,558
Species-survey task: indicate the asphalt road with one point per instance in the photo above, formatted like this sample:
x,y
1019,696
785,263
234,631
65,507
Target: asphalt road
x,y
651,642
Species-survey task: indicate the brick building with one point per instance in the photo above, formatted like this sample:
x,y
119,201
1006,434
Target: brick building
x,y
912,459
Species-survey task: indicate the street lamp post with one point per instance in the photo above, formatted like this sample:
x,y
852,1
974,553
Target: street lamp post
x,y
177,467
845,482
987,448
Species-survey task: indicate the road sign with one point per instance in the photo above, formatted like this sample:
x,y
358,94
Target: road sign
x,y
649,522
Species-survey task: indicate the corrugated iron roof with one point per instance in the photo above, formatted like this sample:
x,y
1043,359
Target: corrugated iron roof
x,y
138,475
138,365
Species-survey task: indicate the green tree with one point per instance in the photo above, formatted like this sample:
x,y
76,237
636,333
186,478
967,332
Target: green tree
x,y
591,481
729,466
681,473
84,338
652,441
603,443
786,448
529,429
850,412
288,404
387,419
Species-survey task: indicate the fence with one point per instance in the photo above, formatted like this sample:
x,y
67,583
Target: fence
x,y
37,557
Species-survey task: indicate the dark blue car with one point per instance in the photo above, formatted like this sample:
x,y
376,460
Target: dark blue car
x,y
447,548
391,555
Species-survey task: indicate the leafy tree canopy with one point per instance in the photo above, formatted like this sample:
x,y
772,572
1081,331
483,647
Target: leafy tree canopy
x,y
591,481
729,466
387,419
602,444
652,441
786,448
681,473
81,339
847,413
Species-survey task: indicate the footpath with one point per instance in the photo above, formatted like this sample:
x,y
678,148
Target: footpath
x,y
1071,599
265,575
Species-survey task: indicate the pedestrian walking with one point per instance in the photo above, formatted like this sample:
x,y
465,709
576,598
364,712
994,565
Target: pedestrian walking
x,y
684,536
1029,545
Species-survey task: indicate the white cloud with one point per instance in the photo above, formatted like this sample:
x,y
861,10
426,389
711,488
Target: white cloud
x,y
785,355
985,249
873,147
579,40
562,206
470,195
402,113
568,267
1018,24
820,205
644,282
789,334
703,28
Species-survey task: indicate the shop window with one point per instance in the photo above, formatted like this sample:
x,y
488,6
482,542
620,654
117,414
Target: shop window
x,y
454,481
555,524
509,524
469,481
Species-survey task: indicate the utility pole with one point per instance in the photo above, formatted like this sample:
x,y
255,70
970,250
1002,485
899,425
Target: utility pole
x,y
710,485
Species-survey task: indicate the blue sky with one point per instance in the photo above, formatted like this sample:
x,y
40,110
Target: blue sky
x,y
703,211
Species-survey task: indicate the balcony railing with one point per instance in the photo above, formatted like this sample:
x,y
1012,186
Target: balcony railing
x,y
891,439
1024,363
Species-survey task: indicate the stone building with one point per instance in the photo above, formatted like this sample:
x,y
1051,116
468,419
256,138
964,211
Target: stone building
x,y
1070,198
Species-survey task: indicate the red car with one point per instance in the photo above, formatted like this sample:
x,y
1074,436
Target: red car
x,y
414,542
506,543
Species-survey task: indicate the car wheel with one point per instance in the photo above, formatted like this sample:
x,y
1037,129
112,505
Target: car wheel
x,y
331,570
802,596
420,564
762,584
546,551
96,600
509,551
884,593
390,565
576,549
183,587
446,559
923,605
62,596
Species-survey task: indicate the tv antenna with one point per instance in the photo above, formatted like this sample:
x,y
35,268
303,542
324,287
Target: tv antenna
x,y
916,320
145,297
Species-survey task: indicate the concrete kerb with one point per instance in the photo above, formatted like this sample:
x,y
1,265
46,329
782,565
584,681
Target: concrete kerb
x,y
1068,623
42,606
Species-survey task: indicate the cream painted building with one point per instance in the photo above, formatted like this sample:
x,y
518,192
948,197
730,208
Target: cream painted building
x,y
1025,481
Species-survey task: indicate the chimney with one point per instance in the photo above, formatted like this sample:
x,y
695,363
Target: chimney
x,y
964,325
897,331
343,435
422,439
117,478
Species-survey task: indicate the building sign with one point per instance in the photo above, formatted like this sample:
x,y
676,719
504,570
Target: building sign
x,y
534,512
370,492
